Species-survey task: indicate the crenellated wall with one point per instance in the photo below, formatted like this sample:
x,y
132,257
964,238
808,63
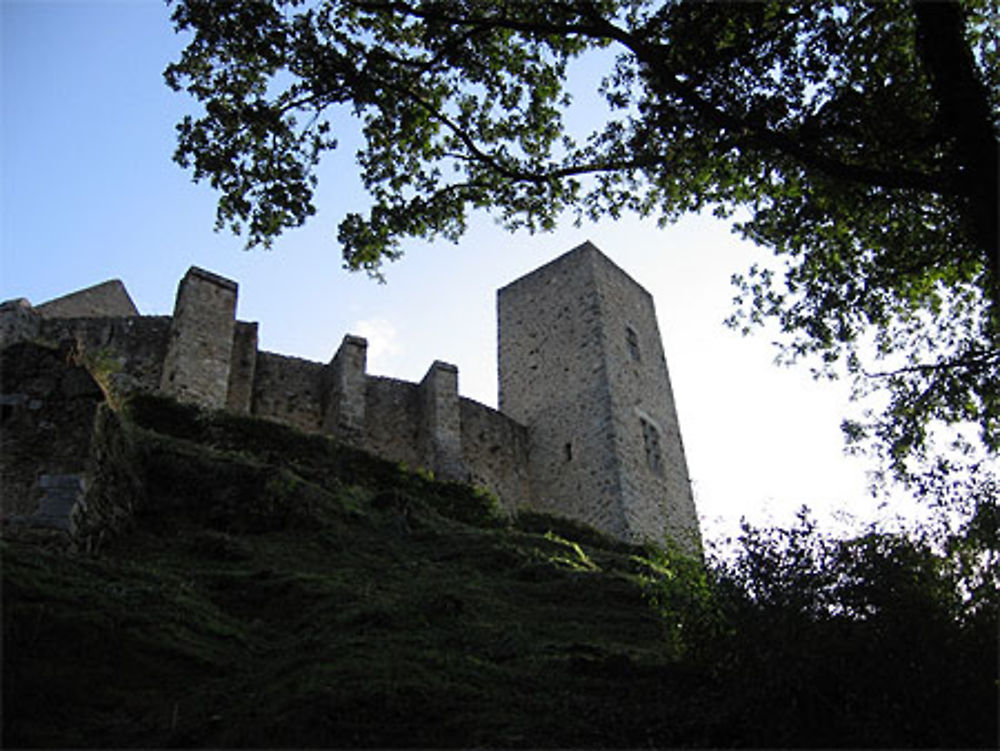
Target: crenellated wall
x,y
345,405
423,424
392,420
581,407
495,452
134,346
289,390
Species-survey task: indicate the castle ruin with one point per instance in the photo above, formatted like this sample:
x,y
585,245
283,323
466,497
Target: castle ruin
x,y
586,425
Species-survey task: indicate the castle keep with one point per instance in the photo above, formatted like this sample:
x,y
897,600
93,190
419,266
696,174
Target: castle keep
x,y
586,425
581,364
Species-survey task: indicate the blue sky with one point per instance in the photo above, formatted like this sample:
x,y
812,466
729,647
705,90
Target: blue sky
x,y
90,193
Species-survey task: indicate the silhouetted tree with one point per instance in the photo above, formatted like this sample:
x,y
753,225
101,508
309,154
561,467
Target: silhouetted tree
x,y
883,640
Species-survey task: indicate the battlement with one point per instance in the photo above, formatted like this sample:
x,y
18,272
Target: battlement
x,y
586,426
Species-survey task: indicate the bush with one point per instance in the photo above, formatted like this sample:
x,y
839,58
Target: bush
x,y
816,641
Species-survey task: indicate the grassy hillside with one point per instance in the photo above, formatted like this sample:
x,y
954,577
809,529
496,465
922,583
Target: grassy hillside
x,y
271,589
276,590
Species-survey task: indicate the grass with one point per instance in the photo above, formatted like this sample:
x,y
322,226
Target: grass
x,y
276,590
258,587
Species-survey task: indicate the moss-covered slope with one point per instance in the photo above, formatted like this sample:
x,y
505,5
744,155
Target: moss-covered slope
x,y
269,588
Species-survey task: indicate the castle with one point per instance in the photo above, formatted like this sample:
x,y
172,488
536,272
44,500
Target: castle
x,y
586,425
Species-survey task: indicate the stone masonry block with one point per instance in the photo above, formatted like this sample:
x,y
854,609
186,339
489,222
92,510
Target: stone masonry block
x,y
441,428
242,368
344,397
200,349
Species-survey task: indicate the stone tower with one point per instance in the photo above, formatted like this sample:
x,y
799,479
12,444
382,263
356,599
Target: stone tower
x,y
582,366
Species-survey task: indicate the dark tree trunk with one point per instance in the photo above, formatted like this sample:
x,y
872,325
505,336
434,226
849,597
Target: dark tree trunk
x,y
965,115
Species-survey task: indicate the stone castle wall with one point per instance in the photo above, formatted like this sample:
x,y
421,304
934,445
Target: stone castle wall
x,y
242,368
420,425
134,346
289,390
392,420
19,322
495,452
577,416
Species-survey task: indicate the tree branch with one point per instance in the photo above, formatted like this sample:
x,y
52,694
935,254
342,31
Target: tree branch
x,y
759,135
653,57
971,362
477,154
540,27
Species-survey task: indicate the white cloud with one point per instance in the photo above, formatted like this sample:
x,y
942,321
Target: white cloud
x,y
383,342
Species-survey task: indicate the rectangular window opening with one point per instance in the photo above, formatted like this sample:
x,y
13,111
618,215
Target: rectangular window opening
x,y
651,443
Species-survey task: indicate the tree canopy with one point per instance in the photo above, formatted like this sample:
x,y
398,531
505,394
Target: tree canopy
x,y
858,140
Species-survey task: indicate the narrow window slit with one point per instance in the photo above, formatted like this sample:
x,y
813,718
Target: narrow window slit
x,y
632,341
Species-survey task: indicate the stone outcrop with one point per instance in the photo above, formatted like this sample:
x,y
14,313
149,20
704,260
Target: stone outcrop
x,y
47,407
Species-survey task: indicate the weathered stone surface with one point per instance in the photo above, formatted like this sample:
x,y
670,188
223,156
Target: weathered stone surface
x,y
19,322
289,390
242,369
200,350
440,422
114,489
114,349
582,366
495,454
344,397
47,406
108,299
392,413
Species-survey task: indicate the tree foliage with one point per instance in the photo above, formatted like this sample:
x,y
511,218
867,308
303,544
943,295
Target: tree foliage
x,y
858,140
881,640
